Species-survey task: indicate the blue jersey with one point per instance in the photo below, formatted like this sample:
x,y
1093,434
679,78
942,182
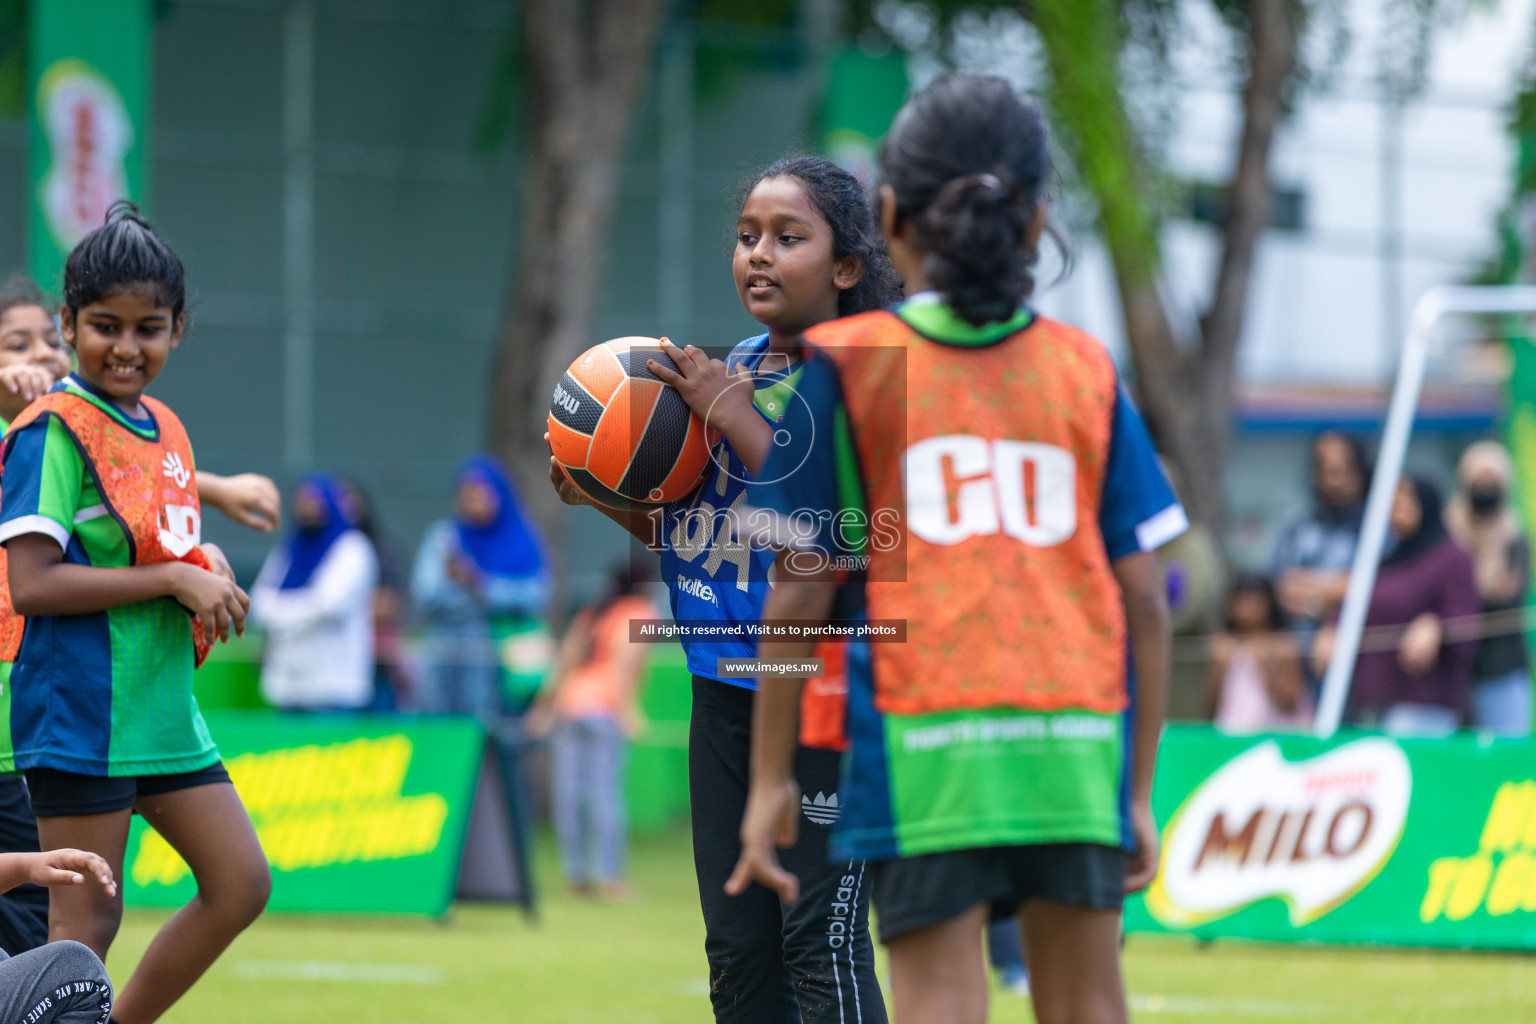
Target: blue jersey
x,y
710,570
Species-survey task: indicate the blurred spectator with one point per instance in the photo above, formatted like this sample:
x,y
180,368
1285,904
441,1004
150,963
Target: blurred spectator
x,y
1255,682
592,711
391,682
1481,520
479,581
1313,556
313,598
1417,685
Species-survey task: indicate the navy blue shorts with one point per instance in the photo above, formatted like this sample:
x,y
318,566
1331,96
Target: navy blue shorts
x,y
913,893
57,794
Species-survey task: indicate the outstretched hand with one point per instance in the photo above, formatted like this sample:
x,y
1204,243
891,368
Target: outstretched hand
x,y
70,867
771,821
26,380
250,499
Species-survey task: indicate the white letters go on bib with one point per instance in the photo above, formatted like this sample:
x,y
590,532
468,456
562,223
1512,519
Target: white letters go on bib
x,y
992,476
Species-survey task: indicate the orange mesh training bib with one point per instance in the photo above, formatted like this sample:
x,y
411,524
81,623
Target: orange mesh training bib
x,y
992,459
149,487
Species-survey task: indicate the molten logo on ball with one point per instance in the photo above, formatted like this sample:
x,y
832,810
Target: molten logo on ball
x,y
1311,833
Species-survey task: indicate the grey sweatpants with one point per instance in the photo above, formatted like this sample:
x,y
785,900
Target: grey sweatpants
x,y
60,983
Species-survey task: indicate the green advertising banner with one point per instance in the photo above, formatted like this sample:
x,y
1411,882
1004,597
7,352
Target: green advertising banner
x,y
864,92
87,94
355,813
1358,839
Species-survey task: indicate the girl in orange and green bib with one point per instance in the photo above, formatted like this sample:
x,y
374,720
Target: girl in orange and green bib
x,y
102,525
33,357
1000,758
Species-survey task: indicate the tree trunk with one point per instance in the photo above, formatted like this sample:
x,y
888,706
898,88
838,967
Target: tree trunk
x,y
1185,389
1272,42
586,63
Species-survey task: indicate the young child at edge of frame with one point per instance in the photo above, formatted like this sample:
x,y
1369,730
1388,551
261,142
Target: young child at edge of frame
x,y
60,982
106,727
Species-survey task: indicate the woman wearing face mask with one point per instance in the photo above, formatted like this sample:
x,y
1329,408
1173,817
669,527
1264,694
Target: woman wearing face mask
x,y
1482,521
1415,665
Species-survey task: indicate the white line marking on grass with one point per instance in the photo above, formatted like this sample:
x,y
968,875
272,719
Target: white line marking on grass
x,y
333,970
1195,1007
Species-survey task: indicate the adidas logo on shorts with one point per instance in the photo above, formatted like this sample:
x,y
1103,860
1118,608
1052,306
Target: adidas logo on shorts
x,y
823,810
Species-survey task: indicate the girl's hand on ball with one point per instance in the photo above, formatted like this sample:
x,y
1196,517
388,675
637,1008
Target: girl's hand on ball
x,y
219,561
218,602
569,492
718,396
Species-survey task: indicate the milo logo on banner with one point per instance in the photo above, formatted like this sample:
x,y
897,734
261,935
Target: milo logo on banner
x,y
89,136
1311,833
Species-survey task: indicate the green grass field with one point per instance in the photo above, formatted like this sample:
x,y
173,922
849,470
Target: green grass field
x,y
585,963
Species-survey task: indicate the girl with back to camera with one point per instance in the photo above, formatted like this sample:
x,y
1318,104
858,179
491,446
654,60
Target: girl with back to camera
x,y
806,252
121,599
1001,758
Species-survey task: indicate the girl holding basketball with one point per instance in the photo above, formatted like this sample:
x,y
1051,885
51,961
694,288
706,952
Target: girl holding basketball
x,y
102,718
1001,758
806,252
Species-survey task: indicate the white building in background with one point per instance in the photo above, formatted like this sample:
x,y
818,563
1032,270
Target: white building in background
x,y
1322,308
1385,207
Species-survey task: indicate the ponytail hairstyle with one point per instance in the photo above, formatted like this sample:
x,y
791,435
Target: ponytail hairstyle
x,y
842,202
969,161
124,255
20,291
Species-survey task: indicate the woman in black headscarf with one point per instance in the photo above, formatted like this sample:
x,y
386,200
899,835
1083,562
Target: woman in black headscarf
x,y
1411,677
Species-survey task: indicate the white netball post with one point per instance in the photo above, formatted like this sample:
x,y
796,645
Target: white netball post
x,y
1427,313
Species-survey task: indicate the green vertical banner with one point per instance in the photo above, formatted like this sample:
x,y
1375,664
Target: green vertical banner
x,y
864,93
1520,425
88,101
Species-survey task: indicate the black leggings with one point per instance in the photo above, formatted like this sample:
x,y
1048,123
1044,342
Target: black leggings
x,y
811,962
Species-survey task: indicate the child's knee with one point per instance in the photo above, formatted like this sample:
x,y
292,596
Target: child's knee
x,y
92,924
240,897
255,891
77,960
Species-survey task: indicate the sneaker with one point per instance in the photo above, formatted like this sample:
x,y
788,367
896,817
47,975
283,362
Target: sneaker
x,y
1014,979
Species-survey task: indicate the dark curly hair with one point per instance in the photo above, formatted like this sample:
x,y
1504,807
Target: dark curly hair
x,y
842,202
969,160
124,254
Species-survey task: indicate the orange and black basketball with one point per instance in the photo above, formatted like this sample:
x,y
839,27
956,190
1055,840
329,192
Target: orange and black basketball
x,y
624,438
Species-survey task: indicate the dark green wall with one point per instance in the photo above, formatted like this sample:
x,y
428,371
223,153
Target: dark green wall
x,y
415,230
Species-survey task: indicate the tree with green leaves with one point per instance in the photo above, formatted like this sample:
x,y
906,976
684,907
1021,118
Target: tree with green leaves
x,y
1183,375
